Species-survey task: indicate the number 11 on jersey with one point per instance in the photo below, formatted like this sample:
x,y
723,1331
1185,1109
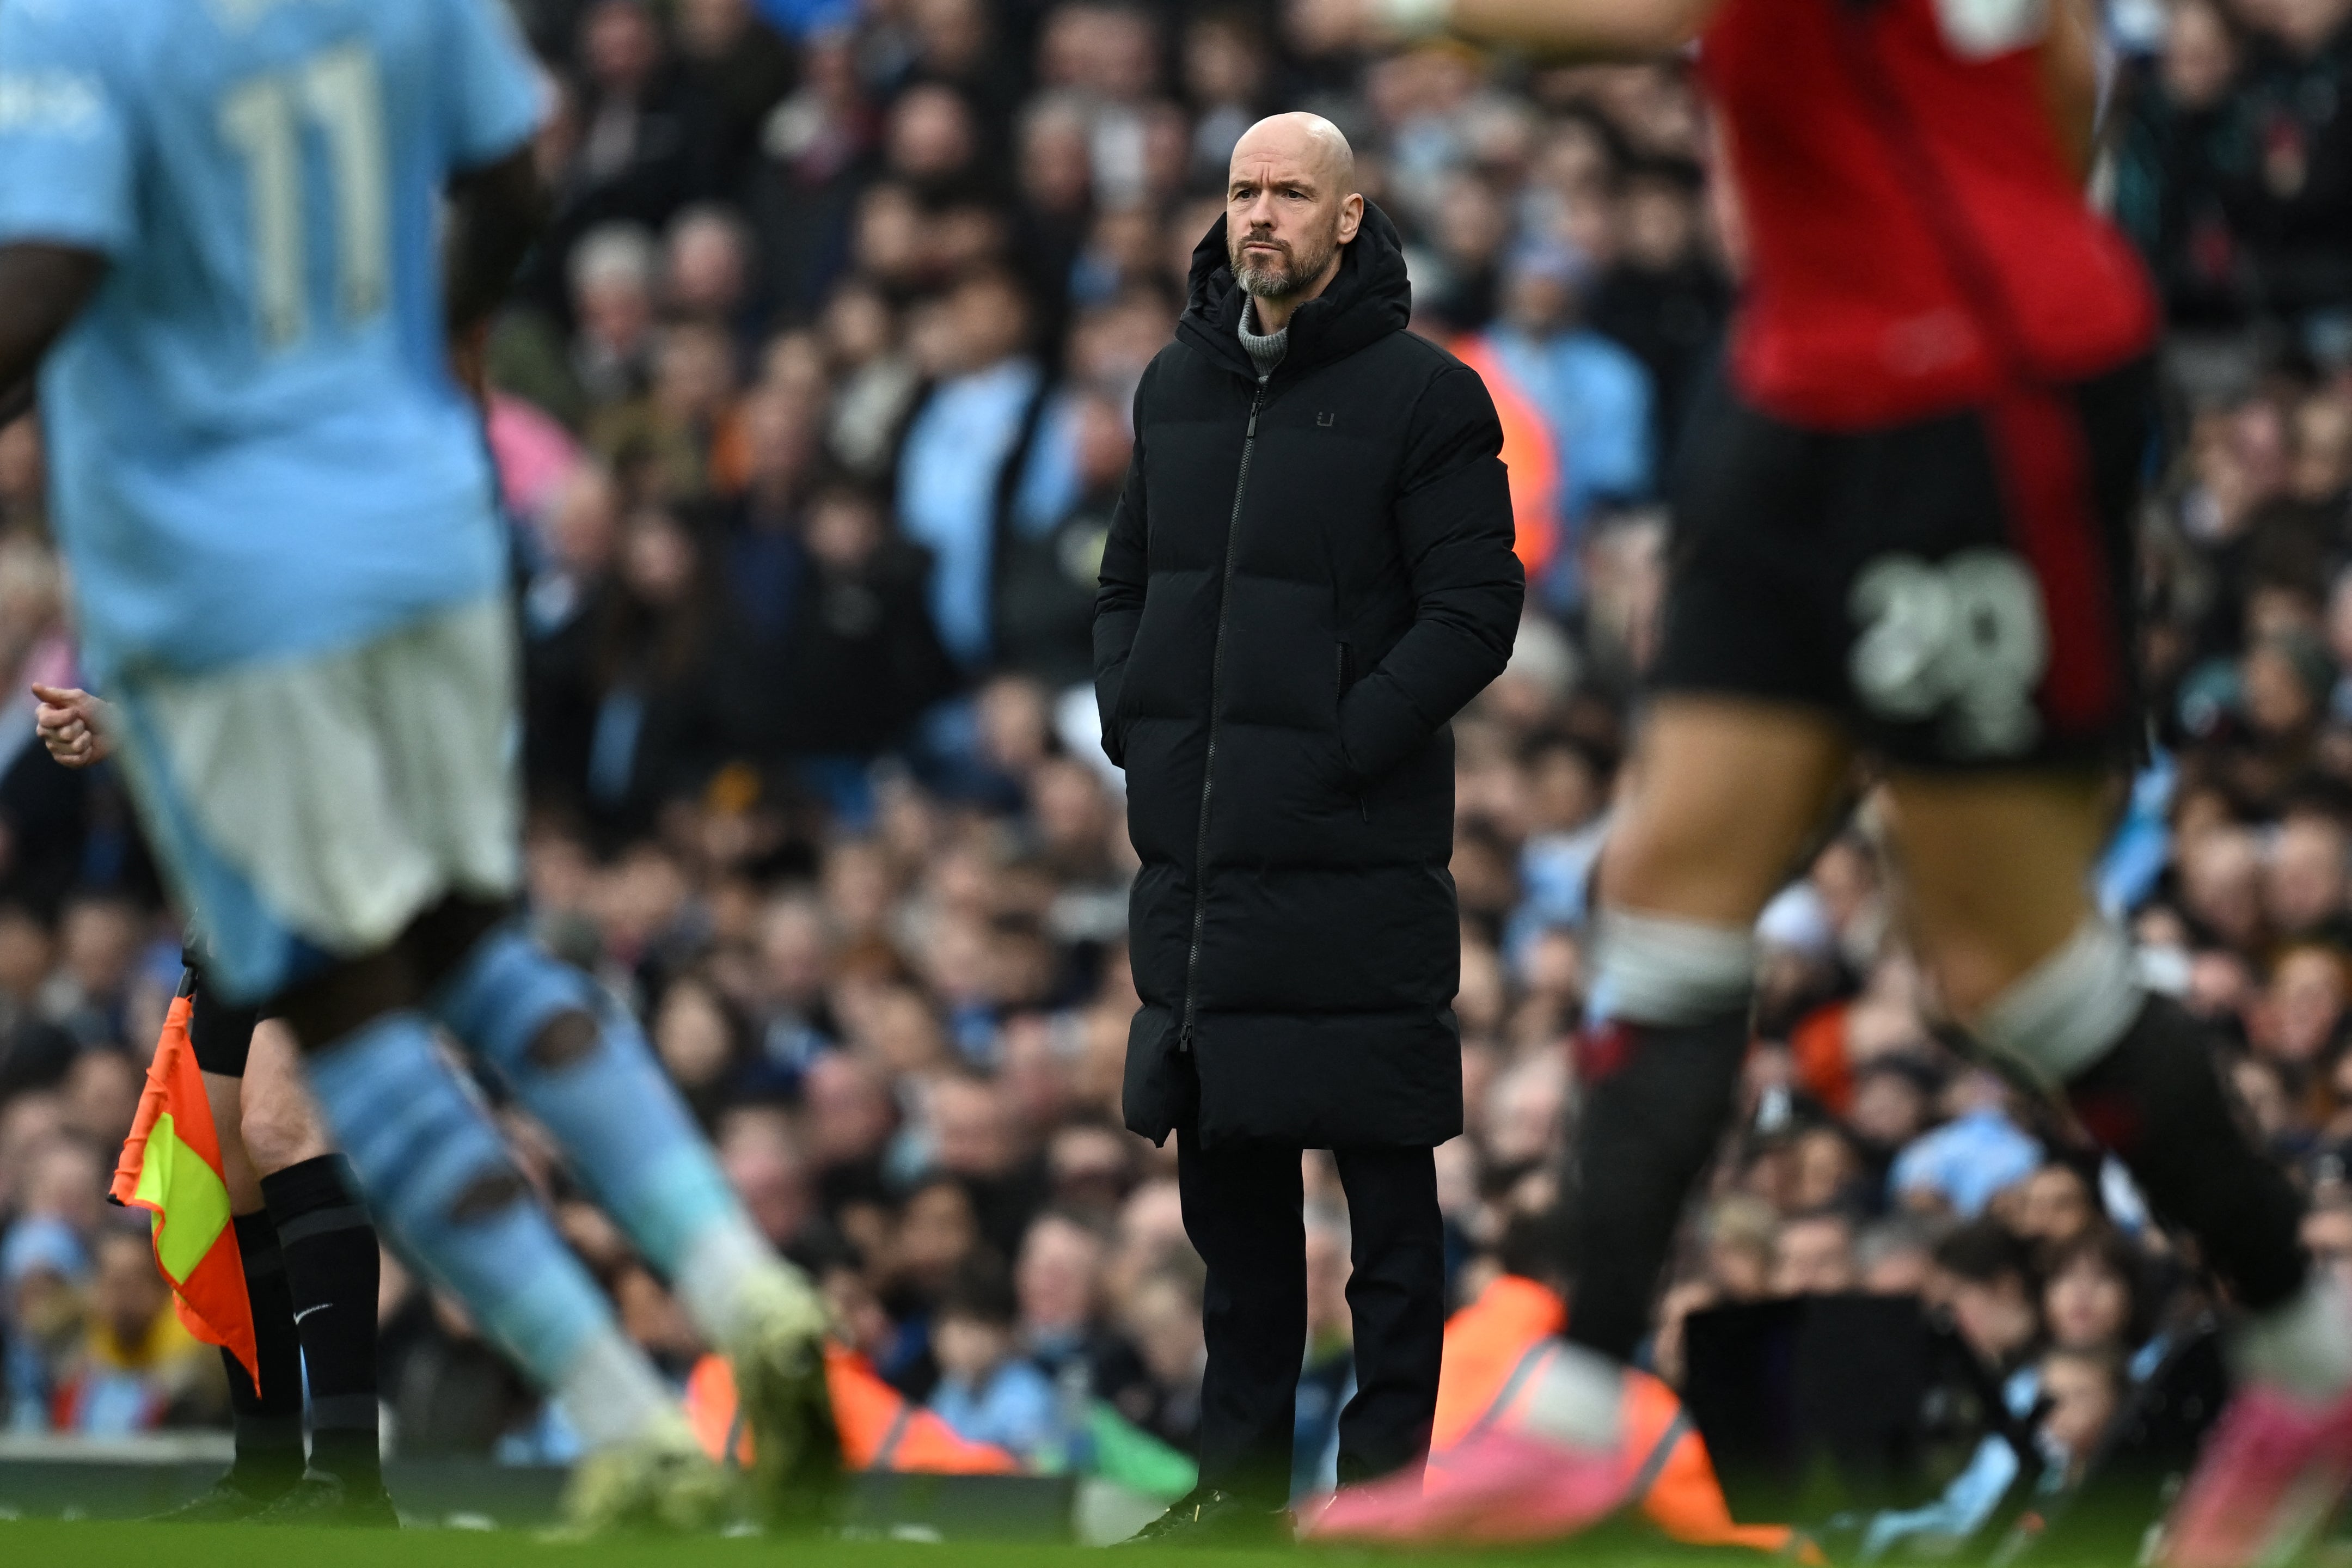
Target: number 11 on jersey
x,y
340,93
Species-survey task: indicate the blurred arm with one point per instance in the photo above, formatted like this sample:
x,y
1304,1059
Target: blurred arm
x,y
1603,28
495,214
42,289
2070,81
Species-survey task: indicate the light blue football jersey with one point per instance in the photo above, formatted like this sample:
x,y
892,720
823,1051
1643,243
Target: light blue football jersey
x,y
258,452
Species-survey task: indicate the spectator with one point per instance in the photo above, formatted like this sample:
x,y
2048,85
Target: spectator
x,y
612,283
1961,1167
644,145
700,1042
660,645
859,659
2174,148
2085,1389
805,187
87,992
1814,1256
2056,1206
1043,608
2295,199
1984,1276
1056,1280
137,1367
810,413
762,1160
2093,1300
449,1392
1893,1257
2304,883
44,1270
967,431
1893,1095
986,1391
1089,1167
877,381
1163,1317
707,258
735,70
1594,395
1666,299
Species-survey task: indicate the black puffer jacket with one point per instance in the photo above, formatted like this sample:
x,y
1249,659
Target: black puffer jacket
x,y
1303,584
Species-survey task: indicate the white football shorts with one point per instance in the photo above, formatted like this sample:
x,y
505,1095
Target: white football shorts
x,y
307,811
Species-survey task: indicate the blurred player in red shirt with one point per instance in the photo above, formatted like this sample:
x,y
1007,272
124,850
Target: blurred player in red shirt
x,y
1904,531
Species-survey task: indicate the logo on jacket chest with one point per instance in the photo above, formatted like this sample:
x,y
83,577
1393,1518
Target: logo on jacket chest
x,y
1324,420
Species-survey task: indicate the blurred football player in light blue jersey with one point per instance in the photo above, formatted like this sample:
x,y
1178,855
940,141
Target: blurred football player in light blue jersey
x,y
235,238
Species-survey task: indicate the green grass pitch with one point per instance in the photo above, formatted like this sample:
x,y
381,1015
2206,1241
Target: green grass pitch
x,y
49,1543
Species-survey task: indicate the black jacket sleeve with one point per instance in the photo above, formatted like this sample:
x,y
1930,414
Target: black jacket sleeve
x,y
1452,516
1119,602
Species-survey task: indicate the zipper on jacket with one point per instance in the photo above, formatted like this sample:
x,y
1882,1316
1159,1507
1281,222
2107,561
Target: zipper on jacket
x,y
1209,764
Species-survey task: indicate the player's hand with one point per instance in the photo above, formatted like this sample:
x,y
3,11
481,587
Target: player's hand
x,y
1372,23
72,724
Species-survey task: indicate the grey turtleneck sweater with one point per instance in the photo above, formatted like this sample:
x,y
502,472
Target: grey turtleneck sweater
x,y
1265,352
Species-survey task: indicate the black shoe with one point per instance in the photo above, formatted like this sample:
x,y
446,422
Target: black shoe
x,y
321,1501
1213,1517
232,1501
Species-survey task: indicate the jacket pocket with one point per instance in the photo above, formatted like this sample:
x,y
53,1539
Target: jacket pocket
x,y
1161,1092
1122,710
1344,667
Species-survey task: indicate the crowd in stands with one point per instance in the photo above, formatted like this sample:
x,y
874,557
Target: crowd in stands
x,y
810,411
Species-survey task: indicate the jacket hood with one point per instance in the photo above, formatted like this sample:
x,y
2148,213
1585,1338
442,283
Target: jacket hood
x,y
1369,299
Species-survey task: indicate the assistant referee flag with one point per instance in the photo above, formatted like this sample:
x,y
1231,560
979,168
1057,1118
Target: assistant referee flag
x,y
171,1167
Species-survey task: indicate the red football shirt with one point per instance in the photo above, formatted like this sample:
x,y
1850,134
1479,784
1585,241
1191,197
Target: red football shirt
x,y
1916,240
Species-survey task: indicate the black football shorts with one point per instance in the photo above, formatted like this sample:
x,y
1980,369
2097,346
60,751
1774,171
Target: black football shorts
x,y
1959,591
220,1037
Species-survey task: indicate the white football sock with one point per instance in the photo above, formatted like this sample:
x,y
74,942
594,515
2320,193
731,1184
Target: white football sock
x,y
1578,1399
2302,1347
1661,969
2071,1008
729,1272
612,1392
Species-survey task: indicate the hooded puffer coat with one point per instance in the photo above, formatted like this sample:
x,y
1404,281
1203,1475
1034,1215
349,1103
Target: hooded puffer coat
x,y
1305,582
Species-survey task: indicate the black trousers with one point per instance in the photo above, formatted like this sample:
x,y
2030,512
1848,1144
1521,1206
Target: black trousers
x,y
1242,1210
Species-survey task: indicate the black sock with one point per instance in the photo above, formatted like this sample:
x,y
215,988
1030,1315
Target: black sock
x,y
2159,1100
269,1419
332,1264
1657,1100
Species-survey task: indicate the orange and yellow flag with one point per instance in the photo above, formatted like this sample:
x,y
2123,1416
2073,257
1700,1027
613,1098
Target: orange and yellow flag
x,y
171,1167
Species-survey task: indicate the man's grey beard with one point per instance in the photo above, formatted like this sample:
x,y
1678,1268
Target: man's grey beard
x,y
1283,278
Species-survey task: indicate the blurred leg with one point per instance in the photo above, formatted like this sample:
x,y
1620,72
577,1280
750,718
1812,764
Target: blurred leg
x,y
394,755
437,1174
579,1062
1994,871
582,1065
1726,794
